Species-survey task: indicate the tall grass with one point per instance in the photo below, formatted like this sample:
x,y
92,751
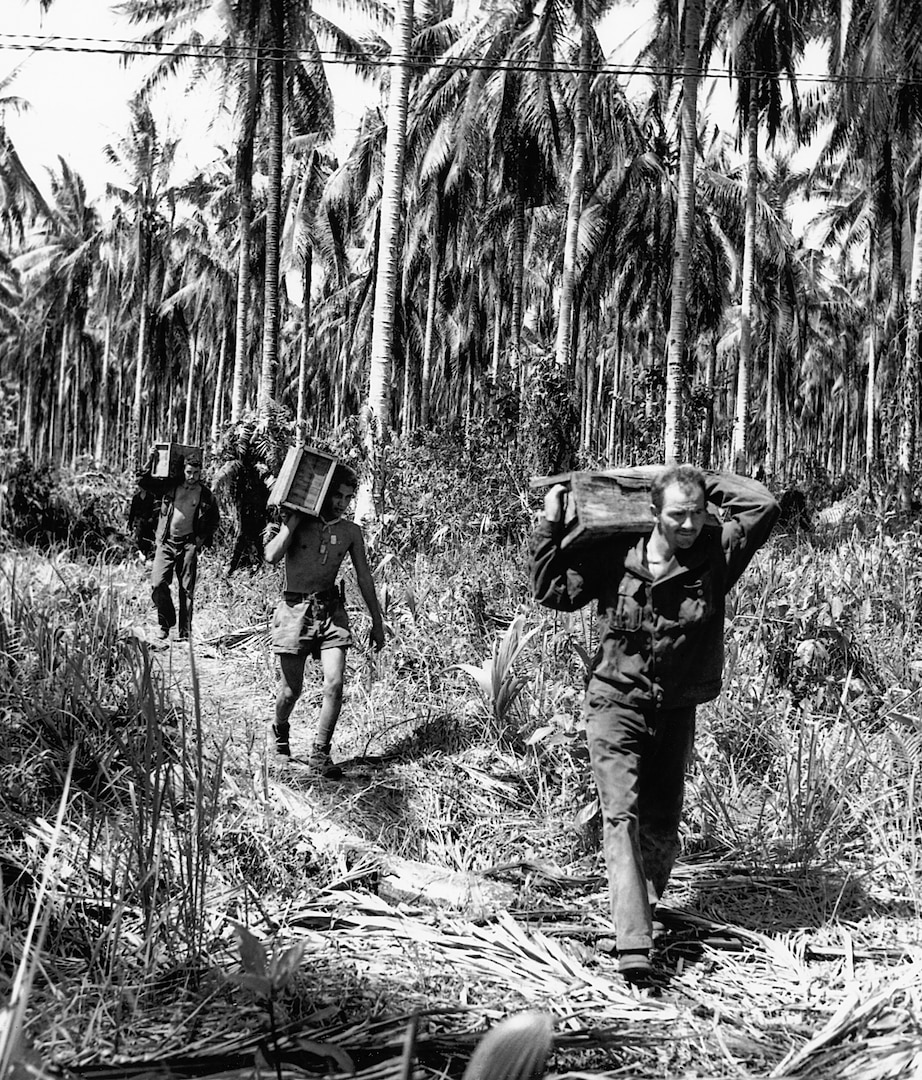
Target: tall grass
x,y
84,710
811,753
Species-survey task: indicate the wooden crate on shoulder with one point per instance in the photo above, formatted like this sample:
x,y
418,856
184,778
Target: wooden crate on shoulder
x,y
303,480
170,458
608,502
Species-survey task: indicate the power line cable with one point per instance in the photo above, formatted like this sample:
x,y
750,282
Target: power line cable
x,y
124,48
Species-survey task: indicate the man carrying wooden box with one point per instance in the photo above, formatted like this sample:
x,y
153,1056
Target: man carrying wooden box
x,y
661,598
311,617
188,520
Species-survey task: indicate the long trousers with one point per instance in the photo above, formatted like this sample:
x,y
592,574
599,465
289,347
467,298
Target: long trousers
x,y
639,758
179,557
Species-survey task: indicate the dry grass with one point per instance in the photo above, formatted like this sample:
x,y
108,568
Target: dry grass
x,y
792,943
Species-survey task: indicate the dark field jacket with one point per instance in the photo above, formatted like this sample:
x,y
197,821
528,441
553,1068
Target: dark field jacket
x,y
207,515
661,644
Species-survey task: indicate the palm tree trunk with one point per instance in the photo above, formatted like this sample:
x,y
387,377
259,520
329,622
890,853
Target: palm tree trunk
x,y
770,392
910,394
102,428
59,412
870,441
306,278
244,228
190,388
518,268
893,207
270,353
434,266
741,424
497,332
648,398
76,428
684,236
134,434
870,430
217,408
710,377
382,339
564,346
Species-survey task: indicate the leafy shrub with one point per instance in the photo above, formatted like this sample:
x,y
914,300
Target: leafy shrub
x,y
443,492
249,453
82,508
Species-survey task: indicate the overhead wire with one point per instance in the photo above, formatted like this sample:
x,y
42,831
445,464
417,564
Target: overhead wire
x,y
125,48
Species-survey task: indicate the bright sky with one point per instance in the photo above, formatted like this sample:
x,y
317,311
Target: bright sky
x,y
79,100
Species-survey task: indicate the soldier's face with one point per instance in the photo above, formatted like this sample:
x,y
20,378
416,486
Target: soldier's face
x,y
682,515
192,473
338,499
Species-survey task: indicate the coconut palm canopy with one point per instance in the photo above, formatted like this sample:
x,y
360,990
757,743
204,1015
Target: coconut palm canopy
x,y
537,210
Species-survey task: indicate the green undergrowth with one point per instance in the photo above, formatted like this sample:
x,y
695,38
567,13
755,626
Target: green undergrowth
x,y
807,764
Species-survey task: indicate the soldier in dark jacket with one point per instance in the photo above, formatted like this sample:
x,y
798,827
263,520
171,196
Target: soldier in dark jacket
x,y
661,605
189,518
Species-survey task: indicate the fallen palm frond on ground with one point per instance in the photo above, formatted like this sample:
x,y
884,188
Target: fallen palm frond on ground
x,y
791,942
723,1011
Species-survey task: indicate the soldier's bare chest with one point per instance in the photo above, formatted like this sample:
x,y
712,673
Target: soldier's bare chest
x,y
186,500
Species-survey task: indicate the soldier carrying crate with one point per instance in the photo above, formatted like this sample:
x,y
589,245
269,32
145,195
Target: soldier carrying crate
x,y
188,520
661,598
311,617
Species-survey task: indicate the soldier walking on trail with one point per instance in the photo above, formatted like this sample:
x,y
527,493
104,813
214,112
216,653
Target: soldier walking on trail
x,y
188,520
661,601
311,617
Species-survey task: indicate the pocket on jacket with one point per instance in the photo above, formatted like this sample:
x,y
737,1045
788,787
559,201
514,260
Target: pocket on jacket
x,y
627,612
697,600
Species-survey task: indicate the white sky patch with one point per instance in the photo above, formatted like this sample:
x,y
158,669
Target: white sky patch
x,y
79,101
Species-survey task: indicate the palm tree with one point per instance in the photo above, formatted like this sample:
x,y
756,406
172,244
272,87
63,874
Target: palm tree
x,y
145,207
867,160
307,233
284,72
61,254
20,198
378,414
564,343
767,40
684,234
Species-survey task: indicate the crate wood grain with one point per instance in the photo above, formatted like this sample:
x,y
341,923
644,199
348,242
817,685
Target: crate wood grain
x,y
608,503
303,480
170,457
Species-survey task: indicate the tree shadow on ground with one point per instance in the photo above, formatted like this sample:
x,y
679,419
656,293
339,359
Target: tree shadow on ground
x,y
767,900
364,806
724,908
445,733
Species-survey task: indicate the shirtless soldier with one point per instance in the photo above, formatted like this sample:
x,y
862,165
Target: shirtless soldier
x,y
311,617
189,517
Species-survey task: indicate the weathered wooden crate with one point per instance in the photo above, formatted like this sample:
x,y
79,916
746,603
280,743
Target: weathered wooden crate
x,y
303,480
170,458
608,503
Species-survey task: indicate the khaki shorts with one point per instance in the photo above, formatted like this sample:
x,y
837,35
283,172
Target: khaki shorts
x,y
306,625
